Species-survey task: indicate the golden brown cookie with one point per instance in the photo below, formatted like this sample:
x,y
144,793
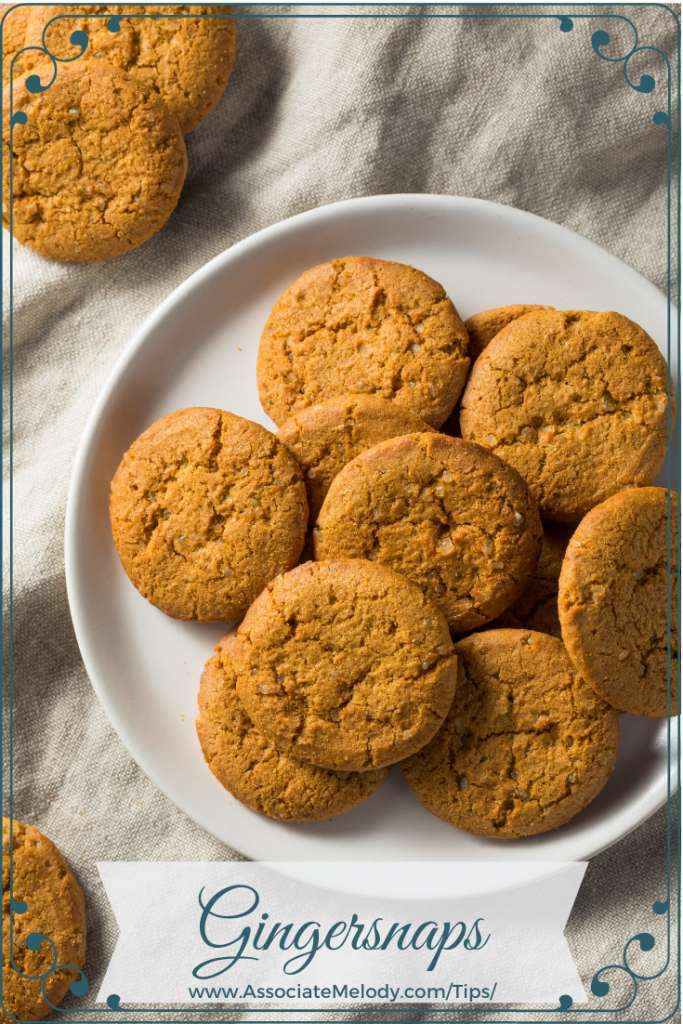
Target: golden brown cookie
x,y
253,769
446,513
345,664
483,327
536,606
206,508
614,600
363,326
98,166
14,28
576,402
325,437
55,907
187,59
526,745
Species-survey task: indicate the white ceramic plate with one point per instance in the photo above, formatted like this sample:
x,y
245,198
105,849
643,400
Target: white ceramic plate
x,y
199,348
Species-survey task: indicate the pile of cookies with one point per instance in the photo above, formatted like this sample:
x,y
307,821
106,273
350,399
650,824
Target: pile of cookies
x,y
446,611
98,158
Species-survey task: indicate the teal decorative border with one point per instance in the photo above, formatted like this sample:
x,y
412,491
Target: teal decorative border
x,y
646,941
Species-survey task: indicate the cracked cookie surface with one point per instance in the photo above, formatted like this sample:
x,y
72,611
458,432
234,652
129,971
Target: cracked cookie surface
x,y
345,664
364,326
446,513
206,508
56,908
187,60
13,35
536,606
483,327
526,745
324,438
253,769
576,402
614,597
98,167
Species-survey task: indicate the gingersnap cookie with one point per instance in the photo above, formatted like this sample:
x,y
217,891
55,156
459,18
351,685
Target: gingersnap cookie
x,y
483,327
452,517
526,745
324,438
618,599
98,165
345,664
206,508
536,606
186,57
253,769
577,402
359,325
55,907
14,25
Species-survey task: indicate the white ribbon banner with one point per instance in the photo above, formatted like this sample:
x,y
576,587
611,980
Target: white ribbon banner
x,y
242,933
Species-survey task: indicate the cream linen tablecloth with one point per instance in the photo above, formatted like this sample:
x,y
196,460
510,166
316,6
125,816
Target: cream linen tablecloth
x,y
319,109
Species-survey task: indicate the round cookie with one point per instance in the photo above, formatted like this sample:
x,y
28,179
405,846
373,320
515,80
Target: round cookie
x,y
613,600
206,508
187,60
55,907
536,606
363,326
449,515
324,438
14,28
576,402
98,167
253,769
483,327
526,745
345,664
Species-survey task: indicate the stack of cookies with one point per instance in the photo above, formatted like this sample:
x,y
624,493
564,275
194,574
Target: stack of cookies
x,y
477,607
97,154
